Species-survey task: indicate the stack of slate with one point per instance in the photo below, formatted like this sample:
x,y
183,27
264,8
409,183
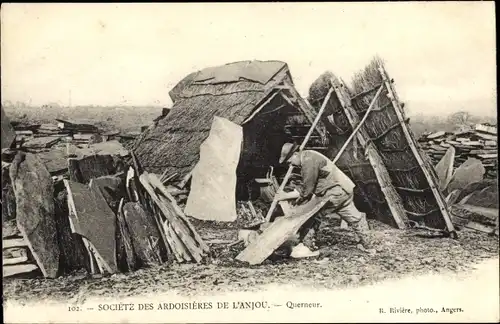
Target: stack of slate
x,y
37,138
479,142
17,258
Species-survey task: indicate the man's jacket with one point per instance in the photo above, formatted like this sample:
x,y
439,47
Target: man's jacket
x,y
320,174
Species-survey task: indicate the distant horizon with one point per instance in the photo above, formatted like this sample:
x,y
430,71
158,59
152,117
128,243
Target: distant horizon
x,y
441,54
409,112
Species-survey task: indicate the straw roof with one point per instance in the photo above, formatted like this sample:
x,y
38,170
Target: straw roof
x,y
231,91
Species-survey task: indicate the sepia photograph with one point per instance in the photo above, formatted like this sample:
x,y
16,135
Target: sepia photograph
x,y
249,162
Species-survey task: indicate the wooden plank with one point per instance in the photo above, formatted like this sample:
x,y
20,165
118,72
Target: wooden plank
x,y
435,190
144,233
185,180
14,243
176,244
182,227
12,270
34,193
154,181
177,225
153,210
278,232
392,197
9,261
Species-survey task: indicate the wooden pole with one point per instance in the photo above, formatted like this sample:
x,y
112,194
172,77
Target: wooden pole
x,y
372,104
304,142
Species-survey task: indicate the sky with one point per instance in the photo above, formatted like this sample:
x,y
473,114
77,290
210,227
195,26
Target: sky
x,y
441,54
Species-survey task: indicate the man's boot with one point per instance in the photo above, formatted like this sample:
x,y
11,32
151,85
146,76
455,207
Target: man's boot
x,y
302,251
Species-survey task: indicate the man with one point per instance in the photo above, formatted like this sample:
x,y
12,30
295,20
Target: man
x,y
321,177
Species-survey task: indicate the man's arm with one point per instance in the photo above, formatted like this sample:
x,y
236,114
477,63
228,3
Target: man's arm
x,y
310,175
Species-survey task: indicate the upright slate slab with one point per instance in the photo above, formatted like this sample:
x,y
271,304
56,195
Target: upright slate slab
x,y
34,192
213,184
144,233
444,168
93,219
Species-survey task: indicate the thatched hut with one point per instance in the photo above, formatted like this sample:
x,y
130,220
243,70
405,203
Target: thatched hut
x,y
258,95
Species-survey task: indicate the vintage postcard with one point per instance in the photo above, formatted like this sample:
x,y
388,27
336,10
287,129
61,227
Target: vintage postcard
x,y
249,162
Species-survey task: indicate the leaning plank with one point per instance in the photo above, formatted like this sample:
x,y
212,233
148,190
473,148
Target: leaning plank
x,y
177,225
176,244
125,250
154,181
144,233
33,189
153,210
88,167
12,270
92,218
181,227
278,232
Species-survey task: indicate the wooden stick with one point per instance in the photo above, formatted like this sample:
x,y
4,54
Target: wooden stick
x,y
256,111
304,142
354,132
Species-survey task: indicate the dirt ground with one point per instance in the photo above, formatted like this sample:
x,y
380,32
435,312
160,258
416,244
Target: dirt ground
x,y
399,253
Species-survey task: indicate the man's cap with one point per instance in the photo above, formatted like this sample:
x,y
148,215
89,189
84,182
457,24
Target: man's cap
x,y
287,151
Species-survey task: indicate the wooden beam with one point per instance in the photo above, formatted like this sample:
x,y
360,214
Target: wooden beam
x,y
265,103
435,190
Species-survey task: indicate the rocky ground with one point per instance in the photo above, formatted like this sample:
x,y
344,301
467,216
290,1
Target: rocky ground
x,y
399,254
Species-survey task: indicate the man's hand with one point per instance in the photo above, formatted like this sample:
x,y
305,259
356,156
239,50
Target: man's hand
x,y
300,201
281,195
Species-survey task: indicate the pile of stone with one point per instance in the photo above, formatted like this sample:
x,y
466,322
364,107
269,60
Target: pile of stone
x,y
479,142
